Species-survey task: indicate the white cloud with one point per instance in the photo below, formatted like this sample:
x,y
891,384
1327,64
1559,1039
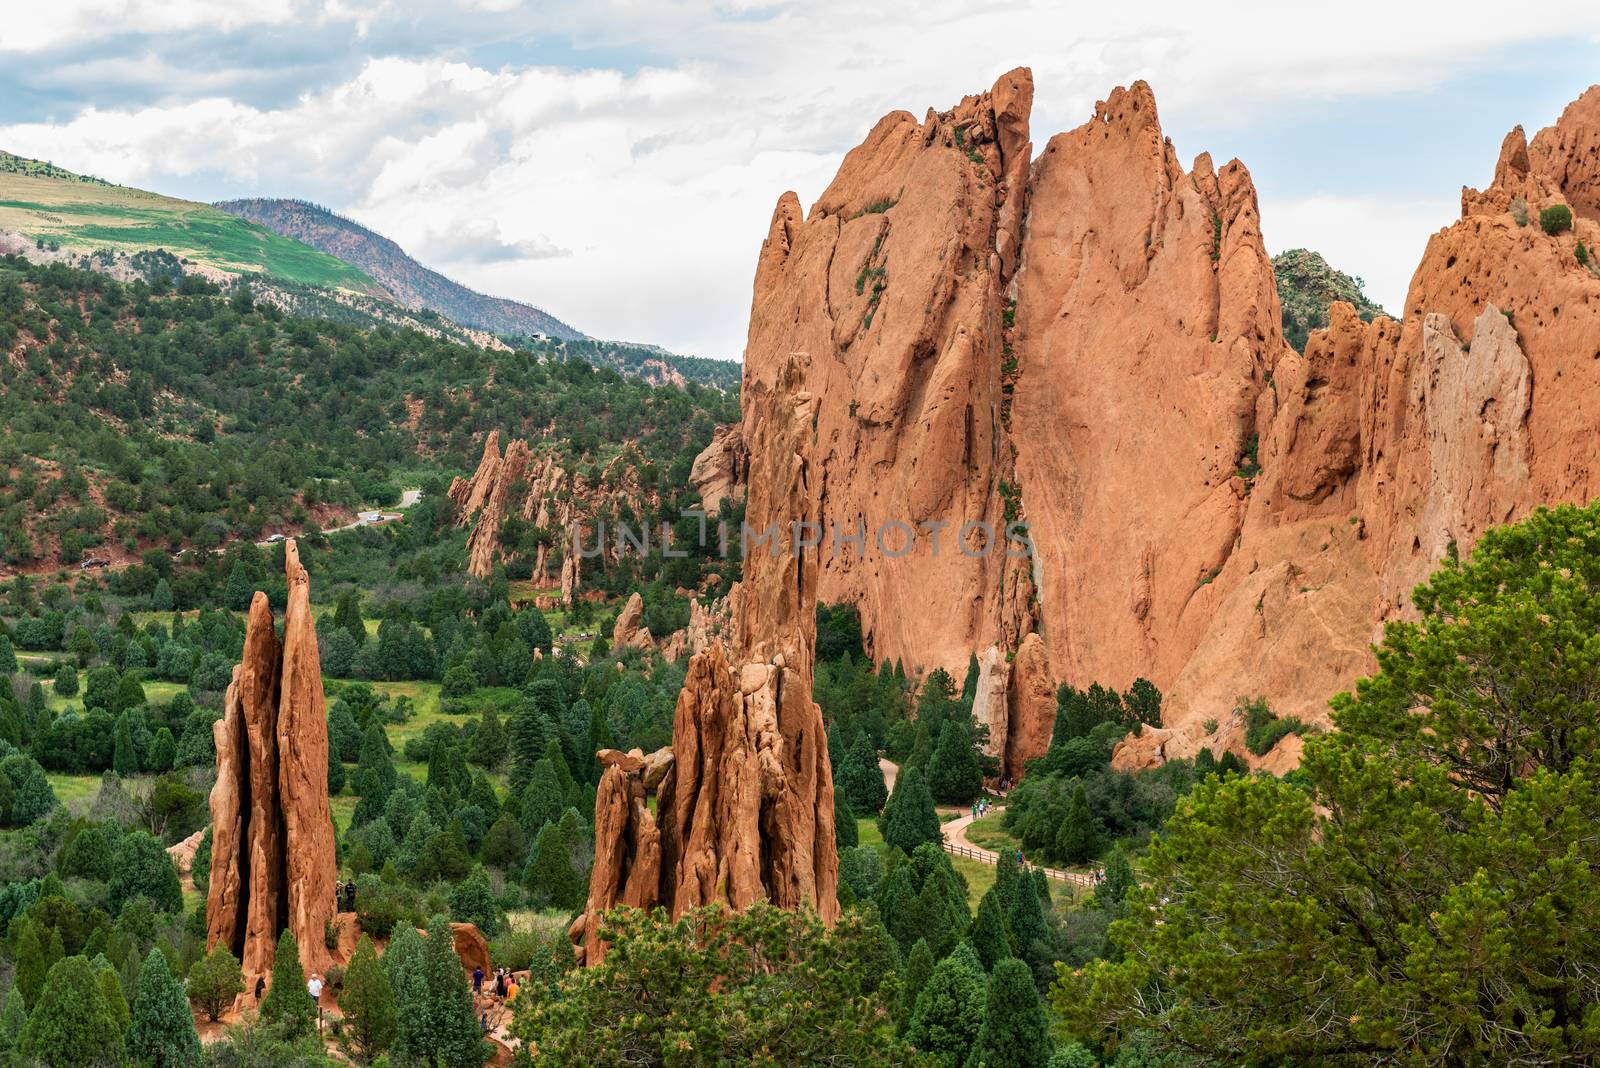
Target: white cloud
x,y
658,179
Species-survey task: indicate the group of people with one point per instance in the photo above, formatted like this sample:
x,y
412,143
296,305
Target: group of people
x,y
504,985
980,808
344,896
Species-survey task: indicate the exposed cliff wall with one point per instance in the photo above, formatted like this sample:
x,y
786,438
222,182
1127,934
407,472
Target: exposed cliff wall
x,y
1091,341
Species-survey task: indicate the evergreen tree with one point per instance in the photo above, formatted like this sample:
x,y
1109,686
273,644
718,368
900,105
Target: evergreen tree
x,y
436,1024
1016,1032
954,776
105,977
238,590
447,772
8,656
846,835
969,686
921,749
347,616
125,755
488,742
367,1001
1078,838
1116,880
472,901
1030,932
505,846
990,938
287,1009
70,1027
919,968
949,1012
909,819
161,598
13,1021
163,752
32,967
543,800
375,774
860,777
162,1034
66,680
215,981
140,866
551,878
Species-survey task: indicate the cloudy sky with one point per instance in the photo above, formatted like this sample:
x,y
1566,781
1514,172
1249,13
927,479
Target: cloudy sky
x,y
616,161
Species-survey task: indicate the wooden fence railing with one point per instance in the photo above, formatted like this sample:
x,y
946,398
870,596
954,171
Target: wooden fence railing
x,y
987,857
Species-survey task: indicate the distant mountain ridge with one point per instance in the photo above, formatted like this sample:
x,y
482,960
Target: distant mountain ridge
x,y
387,263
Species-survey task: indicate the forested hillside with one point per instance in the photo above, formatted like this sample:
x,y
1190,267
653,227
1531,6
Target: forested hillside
x,y
141,417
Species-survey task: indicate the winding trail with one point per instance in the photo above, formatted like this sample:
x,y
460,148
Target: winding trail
x,y
956,842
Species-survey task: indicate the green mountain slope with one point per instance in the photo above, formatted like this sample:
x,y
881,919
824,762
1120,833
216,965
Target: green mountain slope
x,y
412,284
61,212
1307,285
138,420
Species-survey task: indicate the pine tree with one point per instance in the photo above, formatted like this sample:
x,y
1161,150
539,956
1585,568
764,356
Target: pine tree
x,y
909,819
505,846
70,1026
969,686
287,1008
367,1001
66,680
551,878
13,1021
105,977
472,901
8,656
125,756
161,597
163,752
347,616
919,968
954,776
543,800
1078,838
455,1037
1116,881
375,774
488,742
949,1012
1030,933
32,968
215,981
990,938
861,777
162,1034
1016,1032
846,835
237,591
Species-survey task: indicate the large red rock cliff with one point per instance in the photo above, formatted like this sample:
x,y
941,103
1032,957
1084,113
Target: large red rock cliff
x,y
1091,341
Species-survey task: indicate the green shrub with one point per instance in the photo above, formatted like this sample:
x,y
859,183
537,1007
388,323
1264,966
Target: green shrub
x,y
1555,219
1265,729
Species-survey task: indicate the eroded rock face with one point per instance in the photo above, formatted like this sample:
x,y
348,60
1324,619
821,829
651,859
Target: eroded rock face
x,y
1091,342
895,285
721,469
630,631
272,855
744,796
989,707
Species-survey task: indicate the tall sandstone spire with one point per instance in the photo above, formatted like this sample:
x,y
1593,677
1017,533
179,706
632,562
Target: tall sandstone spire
x,y
744,795
1091,341
272,854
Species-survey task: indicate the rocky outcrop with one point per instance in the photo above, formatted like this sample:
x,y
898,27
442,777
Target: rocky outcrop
x,y
272,853
744,796
720,470
1091,342
544,495
989,707
630,631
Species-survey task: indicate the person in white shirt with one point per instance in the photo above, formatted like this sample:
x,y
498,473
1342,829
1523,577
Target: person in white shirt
x,y
314,988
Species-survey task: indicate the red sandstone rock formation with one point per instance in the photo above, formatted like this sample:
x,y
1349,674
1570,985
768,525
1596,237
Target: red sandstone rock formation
x,y
272,853
1091,342
630,631
744,796
720,471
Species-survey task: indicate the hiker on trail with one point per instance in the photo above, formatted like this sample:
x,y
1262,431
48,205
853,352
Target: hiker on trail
x,y
483,1022
500,983
314,988
477,982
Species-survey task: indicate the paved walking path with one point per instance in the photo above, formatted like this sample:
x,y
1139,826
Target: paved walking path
x,y
955,834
